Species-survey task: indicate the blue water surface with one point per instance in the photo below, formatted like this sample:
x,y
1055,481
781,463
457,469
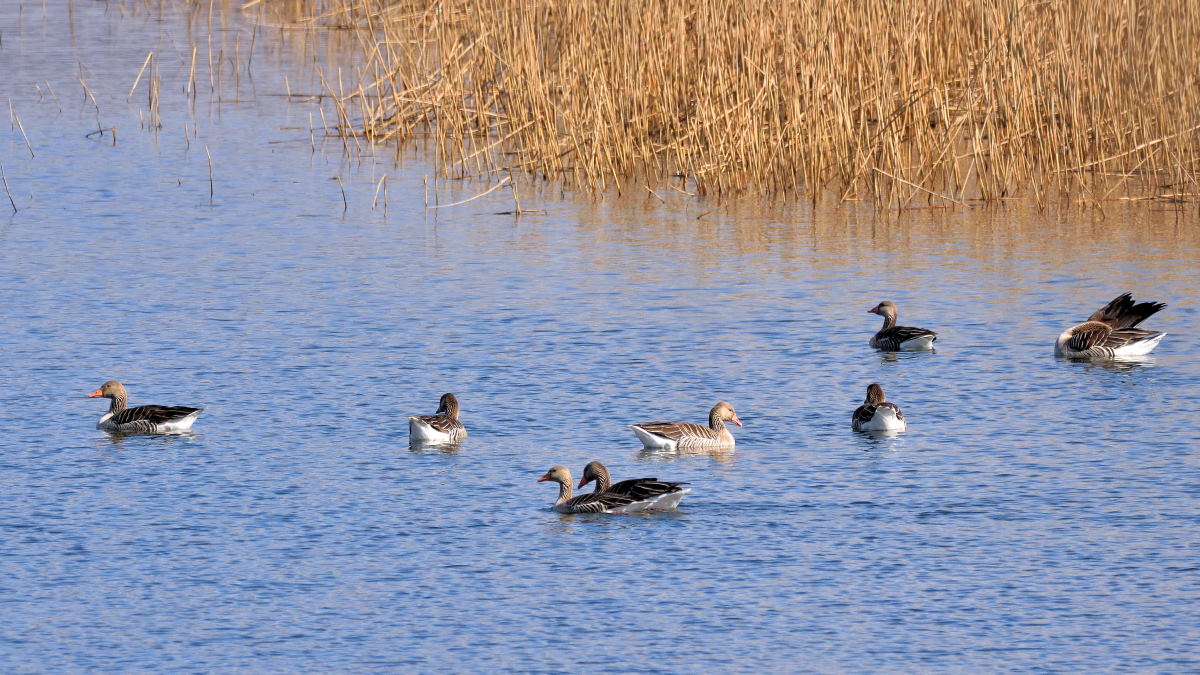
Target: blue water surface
x,y
1039,514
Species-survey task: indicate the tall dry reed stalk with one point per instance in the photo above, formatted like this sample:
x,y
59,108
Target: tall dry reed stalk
x,y
906,101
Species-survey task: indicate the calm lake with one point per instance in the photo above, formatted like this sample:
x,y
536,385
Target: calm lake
x,y
1038,514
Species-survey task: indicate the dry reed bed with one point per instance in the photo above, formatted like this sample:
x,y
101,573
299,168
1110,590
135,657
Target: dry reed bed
x,y
935,101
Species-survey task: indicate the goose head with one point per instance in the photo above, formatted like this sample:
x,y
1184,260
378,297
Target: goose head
x,y
594,471
110,389
886,309
724,412
448,406
558,474
874,395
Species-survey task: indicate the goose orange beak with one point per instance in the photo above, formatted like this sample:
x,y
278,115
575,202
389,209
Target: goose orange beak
x,y
582,482
873,310
94,394
542,479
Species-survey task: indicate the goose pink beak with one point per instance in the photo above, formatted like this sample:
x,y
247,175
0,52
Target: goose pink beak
x,y
582,482
873,310
735,420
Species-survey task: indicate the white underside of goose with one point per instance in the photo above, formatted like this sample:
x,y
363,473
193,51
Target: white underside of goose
x,y
669,501
653,440
172,427
422,431
1139,347
885,419
918,344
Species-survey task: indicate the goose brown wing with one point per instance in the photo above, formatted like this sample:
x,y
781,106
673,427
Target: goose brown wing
x,y
677,430
154,414
1088,335
1123,312
862,415
1123,336
597,503
905,333
640,489
442,423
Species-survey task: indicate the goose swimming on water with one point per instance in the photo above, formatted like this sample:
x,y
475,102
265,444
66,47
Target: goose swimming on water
x,y
142,419
592,502
1111,331
665,495
893,338
877,414
675,435
440,427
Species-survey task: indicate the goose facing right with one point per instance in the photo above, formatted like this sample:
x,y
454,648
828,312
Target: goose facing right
x,y
440,427
877,414
1111,331
675,435
665,495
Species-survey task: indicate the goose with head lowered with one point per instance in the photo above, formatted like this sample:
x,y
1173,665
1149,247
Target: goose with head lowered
x,y
441,427
893,338
142,419
877,414
675,435
591,502
665,495
1112,332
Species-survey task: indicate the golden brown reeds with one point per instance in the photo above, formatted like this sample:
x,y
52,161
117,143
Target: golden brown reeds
x,y
899,101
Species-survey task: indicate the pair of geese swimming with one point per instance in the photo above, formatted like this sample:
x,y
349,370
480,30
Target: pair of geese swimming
x,y
445,427
1110,332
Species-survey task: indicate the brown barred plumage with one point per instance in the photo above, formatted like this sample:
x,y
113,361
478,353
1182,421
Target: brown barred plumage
x,y
443,425
688,435
864,416
143,419
1111,331
639,489
592,502
893,338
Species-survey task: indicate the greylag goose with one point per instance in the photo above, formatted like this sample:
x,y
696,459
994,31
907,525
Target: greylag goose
x,y
592,502
666,495
893,338
674,435
440,427
1111,331
142,419
877,414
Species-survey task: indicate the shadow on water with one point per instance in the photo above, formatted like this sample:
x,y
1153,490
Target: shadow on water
x,y
119,440
895,357
418,447
1124,364
722,456
878,439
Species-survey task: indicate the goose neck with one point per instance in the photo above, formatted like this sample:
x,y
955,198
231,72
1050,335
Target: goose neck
x,y
564,492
